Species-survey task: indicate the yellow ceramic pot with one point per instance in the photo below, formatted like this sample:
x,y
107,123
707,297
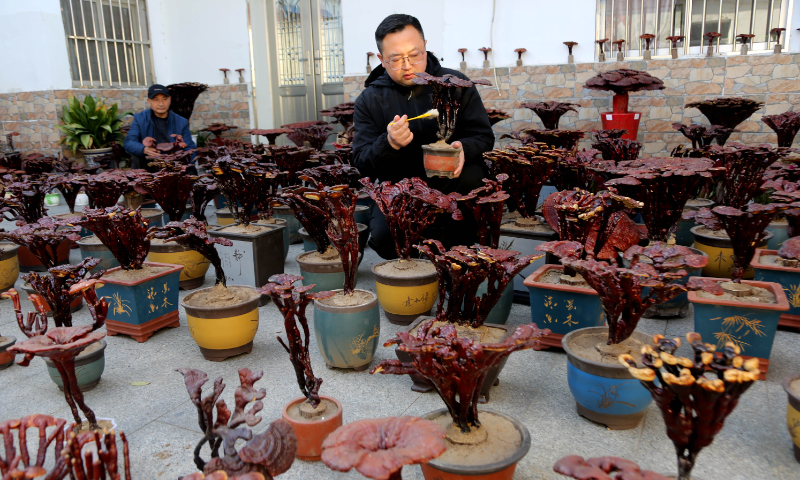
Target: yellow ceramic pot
x,y
793,413
222,332
9,266
403,299
194,264
720,254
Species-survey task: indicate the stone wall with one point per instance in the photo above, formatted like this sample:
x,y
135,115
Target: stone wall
x,y
771,79
35,114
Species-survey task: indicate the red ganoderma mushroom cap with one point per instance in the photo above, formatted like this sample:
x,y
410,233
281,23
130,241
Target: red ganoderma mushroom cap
x,y
377,448
462,50
745,36
598,469
59,342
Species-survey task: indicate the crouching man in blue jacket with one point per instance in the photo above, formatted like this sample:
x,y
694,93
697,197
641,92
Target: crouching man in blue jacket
x,y
154,126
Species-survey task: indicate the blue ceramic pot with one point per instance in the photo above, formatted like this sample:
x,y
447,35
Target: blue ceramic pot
x,y
683,234
502,309
292,223
526,242
788,277
605,393
88,369
309,245
347,337
750,326
97,250
780,233
325,276
140,307
562,308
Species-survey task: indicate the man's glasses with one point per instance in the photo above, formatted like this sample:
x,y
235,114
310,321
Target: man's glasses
x,y
396,63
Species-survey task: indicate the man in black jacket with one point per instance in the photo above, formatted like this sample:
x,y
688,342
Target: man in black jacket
x,y
394,152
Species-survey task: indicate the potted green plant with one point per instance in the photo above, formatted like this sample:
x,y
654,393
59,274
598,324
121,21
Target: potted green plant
x,y
91,127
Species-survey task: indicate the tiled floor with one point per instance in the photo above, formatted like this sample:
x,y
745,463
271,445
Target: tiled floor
x,y
161,422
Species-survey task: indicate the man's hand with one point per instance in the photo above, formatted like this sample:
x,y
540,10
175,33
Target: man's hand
x,y
151,152
460,166
399,135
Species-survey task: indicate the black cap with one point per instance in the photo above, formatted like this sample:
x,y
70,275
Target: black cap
x,y
156,89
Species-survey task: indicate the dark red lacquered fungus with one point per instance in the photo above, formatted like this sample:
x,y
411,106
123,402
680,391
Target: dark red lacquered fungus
x,y
447,93
702,135
530,167
203,192
25,201
693,405
619,43
603,468
485,51
171,187
104,189
183,96
246,184
496,116
192,233
55,288
616,149
550,112
69,185
25,463
570,45
674,39
648,39
727,112
315,132
269,453
786,125
270,134
556,139
332,175
745,166
42,238
600,44
105,464
777,31
123,231
487,204
622,82
343,115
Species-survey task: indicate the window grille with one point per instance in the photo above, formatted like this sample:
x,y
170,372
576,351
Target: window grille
x,y
332,44
289,43
628,19
108,42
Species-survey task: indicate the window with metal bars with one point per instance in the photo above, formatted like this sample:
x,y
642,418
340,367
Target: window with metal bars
x,y
629,19
289,43
332,64
108,42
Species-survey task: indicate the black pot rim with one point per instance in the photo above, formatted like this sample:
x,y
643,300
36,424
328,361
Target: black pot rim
x,y
590,366
474,470
351,308
509,329
413,281
80,360
12,341
220,312
9,250
216,232
794,399
722,242
332,267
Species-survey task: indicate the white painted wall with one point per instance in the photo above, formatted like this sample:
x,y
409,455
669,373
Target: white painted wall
x,y
540,27
34,48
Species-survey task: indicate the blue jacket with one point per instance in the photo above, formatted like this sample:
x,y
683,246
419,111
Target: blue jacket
x,y
142,127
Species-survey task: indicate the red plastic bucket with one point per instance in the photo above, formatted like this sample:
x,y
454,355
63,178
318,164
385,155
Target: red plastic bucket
x,y
628,121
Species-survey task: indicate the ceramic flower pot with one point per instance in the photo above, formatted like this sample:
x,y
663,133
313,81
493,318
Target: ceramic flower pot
x,y
29,263
503,470
605,393
225,217
186,214
720,254
88,368
153,217
325,276
281,222
309,245
222,332
526,243
311,433
140,307
562,308
421,385
780,233
440,161
793,412
90,155
788,277
76,304
292,223
252,258
683,232
404,299
9,266
749,325
347,337
195,265
628,121
6,357
90,247
362,214
502,309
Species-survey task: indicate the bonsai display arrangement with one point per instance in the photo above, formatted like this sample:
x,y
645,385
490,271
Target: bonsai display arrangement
x,y
440,158
343,115
43,244
268,453
615,148
24,200
183,95
313,132
312,417
727,112
457,366
622,82
144,295
702,136
407,288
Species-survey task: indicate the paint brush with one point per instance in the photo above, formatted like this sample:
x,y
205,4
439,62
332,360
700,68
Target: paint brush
x,y
429,113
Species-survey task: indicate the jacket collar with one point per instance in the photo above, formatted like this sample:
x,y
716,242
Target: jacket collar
x,y
380,78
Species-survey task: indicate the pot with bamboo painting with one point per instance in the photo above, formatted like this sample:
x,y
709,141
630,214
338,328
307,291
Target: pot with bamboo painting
x,y
782,267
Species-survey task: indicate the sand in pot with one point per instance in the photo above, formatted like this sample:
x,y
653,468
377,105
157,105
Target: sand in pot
x,y
594,347
135,275
778,261
243,229
529,225
104,425
406,268
482,334
221,296
304,412
500,439
795,387
330,256
557,277
712,233
741,292
359,297
90,240
696,202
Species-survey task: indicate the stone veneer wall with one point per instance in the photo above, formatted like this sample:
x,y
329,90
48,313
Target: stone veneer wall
x,y
35,114
771,79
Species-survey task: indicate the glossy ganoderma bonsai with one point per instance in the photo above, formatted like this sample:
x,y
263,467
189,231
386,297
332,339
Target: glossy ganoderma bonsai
x,y
26,463
244,183
576,170
727,112
171,187
292,301
270,134
694,405
603,468
331,175
336,205
487,204
183,96
701,135
597,222
269,453
663,185
315,132
203,192
746,229
550,112
410,206
310,214
462,270
25,203
55,287
627,293
447,92
615,148
69,185
123,231
104,465
218,129
622,82
343,115
496,116
745,166
42,238
566,139
530,167
104,189
289,160
456,367
191,233
38,164
786,125
380,448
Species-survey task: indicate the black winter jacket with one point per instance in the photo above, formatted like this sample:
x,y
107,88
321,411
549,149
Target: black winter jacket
x,y
382,99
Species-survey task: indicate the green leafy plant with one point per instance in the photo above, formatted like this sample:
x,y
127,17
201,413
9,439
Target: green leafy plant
x,y
91,124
